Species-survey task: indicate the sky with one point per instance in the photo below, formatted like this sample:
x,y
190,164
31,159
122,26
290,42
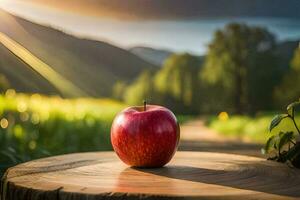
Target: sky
x,y
180,35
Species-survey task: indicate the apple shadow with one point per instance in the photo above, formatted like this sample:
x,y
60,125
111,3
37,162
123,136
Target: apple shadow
x,y
257,177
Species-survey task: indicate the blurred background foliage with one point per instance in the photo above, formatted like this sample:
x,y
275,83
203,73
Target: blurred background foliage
x,y
34,126
249,128
242,74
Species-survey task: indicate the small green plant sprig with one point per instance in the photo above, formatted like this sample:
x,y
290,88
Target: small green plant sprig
x,y
284,146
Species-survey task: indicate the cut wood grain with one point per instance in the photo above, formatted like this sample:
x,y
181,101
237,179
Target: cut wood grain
x,y
190,175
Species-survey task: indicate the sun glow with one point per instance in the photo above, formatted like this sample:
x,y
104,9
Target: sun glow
x,y
12,5
5,3
24,9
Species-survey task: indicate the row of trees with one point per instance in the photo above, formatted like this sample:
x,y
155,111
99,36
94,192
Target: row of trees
x,y
241,74
242,64
174,85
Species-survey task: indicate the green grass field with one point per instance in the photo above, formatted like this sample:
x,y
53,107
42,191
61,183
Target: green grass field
x,y
255,128
37,126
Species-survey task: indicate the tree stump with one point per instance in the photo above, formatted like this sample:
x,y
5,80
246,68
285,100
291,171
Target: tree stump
x,y
190,175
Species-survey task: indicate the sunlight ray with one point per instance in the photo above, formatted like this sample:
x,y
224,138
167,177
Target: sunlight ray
x,y
65,86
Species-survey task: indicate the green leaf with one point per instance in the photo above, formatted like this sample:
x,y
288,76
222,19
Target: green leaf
x,y
276,120
284,138
282,157
270,143
291,108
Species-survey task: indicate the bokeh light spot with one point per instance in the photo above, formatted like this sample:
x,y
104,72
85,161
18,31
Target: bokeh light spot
x,y
35,118
22,107
223,116
4,123
18,131
10,93
32,145
24,116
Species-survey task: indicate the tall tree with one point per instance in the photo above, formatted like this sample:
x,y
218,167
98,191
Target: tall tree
x,y
241,61
177,82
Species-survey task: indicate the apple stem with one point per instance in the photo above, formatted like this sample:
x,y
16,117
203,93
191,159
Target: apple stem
x,y
145,105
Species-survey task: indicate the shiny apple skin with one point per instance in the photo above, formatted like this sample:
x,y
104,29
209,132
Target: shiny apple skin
x,y
145,138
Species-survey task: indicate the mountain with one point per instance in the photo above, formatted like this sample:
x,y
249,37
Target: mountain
x,y
178,9
91,66
154,56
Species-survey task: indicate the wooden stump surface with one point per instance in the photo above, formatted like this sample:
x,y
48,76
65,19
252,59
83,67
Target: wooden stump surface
x,y
190,175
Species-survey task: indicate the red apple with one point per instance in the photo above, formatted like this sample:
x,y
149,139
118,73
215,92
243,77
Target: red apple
x,y
145,136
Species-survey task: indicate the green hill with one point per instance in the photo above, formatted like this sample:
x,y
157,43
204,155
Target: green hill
x,y
91,66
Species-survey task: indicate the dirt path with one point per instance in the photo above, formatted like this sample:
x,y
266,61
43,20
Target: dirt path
x,y
195,136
